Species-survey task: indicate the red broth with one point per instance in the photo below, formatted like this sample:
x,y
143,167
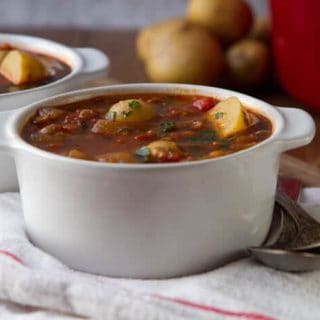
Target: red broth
x,y
85,130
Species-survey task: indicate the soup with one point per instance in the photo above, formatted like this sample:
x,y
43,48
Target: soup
x,y
146,128
21,70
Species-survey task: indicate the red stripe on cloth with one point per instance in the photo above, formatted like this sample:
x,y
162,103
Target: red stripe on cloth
x,y
243,315
12,256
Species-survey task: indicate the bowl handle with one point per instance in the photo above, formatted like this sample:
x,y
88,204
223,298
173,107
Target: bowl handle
x,y
298,130
95,63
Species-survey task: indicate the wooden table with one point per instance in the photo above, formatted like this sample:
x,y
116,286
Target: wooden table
x,y
119,45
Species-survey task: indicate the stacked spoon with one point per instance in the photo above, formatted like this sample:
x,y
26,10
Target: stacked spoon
x,y
293,241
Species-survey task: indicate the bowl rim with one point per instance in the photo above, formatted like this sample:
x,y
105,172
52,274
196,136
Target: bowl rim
x,y
26,41
20,116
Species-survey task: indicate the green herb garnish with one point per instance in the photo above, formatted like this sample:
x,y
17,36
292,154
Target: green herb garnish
x,y
111,115
195,150
144,153
218,115
134,104
168,126
204,137
224,144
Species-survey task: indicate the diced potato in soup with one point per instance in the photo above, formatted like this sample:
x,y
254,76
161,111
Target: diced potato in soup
x,y
131,110
117,157
20,67
228,117
74,153
164,151
3,53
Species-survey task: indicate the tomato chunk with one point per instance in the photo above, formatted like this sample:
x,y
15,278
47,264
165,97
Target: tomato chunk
x,y
149,135
203,104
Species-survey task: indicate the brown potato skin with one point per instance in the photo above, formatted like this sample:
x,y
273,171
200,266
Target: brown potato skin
x,y
261,30
229,20
152,33
248,64
189,54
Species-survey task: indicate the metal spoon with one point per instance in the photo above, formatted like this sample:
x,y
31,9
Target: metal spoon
x,y
283,226
307,235
294,233
286,260
282,259
298,230
276,227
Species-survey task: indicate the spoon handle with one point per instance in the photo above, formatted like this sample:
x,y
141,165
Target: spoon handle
x,y
279,228
276,227
305,234
295,210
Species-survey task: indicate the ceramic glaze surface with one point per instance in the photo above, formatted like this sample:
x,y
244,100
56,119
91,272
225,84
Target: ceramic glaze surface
x,y
131,223
152,220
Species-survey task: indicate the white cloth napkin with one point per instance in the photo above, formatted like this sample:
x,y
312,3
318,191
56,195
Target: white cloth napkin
x,y
34,285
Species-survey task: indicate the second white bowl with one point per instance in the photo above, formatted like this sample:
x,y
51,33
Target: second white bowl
x,y
86,64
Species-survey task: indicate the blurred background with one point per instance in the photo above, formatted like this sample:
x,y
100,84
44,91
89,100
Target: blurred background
x,y
96,13
250,58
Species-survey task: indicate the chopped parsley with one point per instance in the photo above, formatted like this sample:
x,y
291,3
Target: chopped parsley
x,y
144,153
207,137
218,115
204,137
134,104
168,126
195,150
224,144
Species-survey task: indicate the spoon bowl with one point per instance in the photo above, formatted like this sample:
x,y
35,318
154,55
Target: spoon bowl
x,y
307,233
286,260
293,242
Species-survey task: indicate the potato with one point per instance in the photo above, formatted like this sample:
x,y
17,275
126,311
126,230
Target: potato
x,y
228,117
163,150
3,53
230,20
248,64
261,29
77,154
187,55
131,110
116,157
153,33
20,67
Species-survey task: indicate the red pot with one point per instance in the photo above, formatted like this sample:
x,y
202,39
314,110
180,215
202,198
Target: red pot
x,y
296,41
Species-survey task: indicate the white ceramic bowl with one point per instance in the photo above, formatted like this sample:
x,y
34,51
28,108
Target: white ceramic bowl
x,y
85,63
151,220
